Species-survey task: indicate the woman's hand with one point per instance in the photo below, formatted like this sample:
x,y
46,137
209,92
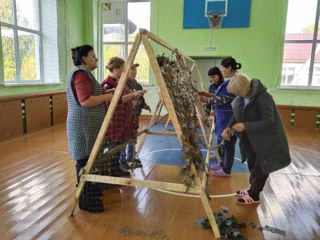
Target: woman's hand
x,y
208,95
239,127
203,98
226,133
139,93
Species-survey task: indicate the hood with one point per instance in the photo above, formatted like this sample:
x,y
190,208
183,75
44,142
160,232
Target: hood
x,y
257,87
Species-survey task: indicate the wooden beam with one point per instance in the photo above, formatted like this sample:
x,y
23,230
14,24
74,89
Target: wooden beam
x,y
165,44
176,187
162,86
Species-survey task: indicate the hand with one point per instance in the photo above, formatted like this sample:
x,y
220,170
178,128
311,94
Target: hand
x,y
212,113
203,98
110,90
139,93
226,133
147,107
208,95
239,127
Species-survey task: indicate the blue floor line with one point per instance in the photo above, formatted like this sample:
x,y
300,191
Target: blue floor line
x,y
167,150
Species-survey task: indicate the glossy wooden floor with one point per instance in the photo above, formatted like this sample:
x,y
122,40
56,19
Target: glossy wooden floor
x,y
37,183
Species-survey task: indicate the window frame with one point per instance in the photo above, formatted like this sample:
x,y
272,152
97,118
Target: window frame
x,y
314,42
125,43
14,26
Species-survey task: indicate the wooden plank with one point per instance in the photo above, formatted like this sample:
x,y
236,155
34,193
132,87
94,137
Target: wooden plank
x,y
11,124
203,129
305,118
168,134
161,84
30,95
38,116
285,116
203,86
169,106
149,125
165,44
176,187
59,108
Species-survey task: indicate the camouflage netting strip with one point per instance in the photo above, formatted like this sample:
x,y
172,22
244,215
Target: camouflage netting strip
x,y
179,83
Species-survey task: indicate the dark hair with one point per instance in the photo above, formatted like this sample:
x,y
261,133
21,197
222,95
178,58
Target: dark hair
x,y
114,62
215,71
79,52
231,62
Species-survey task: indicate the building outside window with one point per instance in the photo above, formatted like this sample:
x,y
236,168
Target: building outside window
x,y
121,23
301,58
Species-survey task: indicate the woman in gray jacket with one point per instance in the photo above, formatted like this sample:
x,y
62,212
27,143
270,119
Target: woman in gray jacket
x,y
263,142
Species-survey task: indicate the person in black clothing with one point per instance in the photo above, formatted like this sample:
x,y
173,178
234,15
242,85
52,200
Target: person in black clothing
x,y
263,141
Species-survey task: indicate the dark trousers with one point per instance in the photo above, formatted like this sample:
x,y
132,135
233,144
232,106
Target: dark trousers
x,y
227,153
257,179
80,164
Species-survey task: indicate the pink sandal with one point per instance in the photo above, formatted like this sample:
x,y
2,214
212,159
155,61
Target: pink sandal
x,y
242,193
246,200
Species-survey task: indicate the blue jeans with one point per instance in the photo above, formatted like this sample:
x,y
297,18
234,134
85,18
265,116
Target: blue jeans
x,y
118,154
123,155
126,153
130,150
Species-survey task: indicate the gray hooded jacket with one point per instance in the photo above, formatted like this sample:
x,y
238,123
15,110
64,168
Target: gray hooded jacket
x,y
264,129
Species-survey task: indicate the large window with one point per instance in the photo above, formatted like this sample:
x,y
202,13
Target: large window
x,y
22,31
301,58
121,23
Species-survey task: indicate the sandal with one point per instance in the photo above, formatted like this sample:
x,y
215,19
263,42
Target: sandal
x,y
242,193
246,200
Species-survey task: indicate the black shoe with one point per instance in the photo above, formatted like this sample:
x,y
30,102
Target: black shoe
x,y
93,205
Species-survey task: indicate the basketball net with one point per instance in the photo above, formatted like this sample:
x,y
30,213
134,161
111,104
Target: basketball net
x,y
215,19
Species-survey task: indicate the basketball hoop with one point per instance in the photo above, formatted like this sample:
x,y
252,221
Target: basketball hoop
x,y
215,18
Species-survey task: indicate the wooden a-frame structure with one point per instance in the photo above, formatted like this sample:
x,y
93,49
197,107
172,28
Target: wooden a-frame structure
x,y
200,183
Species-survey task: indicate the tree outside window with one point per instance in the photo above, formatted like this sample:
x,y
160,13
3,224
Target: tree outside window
x,y
20,41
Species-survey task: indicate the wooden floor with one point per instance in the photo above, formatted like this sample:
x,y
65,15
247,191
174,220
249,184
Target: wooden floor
x,y
37,184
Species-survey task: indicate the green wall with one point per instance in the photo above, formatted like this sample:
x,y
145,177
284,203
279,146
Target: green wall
x,y
259,47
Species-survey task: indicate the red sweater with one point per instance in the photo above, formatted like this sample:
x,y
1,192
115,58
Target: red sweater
x,y
121,128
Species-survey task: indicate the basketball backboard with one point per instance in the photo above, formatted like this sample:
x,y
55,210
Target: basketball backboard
x,y
237,13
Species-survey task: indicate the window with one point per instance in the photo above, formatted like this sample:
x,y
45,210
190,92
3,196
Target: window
x,y
22,33
301,58
121,23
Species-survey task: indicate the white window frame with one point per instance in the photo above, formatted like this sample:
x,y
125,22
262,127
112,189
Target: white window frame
x,y
314,50
14,26
99,35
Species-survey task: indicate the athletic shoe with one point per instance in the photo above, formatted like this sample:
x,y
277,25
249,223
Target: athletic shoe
x,y
220,173
215,166
137,163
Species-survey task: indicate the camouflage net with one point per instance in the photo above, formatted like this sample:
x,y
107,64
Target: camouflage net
x,y
182,92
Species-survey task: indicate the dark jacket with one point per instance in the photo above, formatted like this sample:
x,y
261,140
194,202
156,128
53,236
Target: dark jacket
x,y
264,129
